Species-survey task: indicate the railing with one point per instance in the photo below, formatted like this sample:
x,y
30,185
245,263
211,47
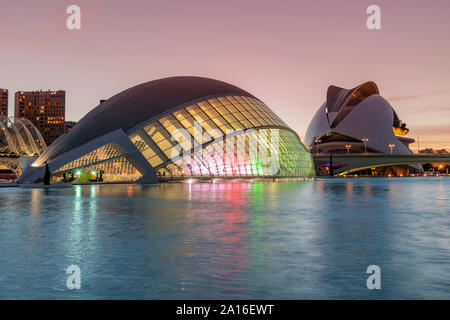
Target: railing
x,y
383,154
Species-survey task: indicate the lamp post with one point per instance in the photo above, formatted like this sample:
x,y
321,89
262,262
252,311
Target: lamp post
x,y
418,145
348,146
317,145
365,140
391,146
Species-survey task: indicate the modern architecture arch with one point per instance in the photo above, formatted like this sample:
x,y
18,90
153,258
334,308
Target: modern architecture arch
x,y
19,137
176,128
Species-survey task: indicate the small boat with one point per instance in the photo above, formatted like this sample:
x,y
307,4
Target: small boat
x,y
46,186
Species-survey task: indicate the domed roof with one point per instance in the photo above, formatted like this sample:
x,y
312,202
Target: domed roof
x,y
339,104
134,106
358,113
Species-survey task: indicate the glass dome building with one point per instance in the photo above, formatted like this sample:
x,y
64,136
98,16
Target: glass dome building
x,y
176,128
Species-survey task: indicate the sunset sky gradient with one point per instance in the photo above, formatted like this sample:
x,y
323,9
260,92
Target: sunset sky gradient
x,y
284,52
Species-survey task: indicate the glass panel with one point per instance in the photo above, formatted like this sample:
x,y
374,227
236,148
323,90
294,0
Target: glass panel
x,y
155,161
212,113
184,118
115,170
167,121
205,105
200,116
138,142
193,109
158,136
236,156
227,104
153,156
103,153
164,144
234,123
187,123
219,121
223,111
241,156
148,153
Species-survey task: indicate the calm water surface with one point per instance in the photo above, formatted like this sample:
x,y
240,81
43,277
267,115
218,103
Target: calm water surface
x,y
261,240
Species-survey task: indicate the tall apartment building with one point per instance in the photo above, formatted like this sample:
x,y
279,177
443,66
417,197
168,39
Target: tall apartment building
x,y
45,109
4,102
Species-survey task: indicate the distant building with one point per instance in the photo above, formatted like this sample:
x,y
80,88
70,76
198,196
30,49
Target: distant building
x,y
45,109
358,121
69,125
358,118
4,102
430,150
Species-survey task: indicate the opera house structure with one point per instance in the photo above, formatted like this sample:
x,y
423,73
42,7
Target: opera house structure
x,y
176,128
358,121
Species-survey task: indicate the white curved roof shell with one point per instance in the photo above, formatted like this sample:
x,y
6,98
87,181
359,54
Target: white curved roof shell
x,y
372,119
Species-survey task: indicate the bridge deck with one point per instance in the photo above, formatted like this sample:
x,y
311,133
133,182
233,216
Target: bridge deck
x,y
356,162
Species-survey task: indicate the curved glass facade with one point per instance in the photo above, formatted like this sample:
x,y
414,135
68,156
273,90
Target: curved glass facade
x,y
253,153
105,163
227,136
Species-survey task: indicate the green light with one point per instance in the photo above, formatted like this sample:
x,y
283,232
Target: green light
x,y
259,166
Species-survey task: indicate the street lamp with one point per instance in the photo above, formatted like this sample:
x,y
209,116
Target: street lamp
x,y
391,146
365,140
317,145
348,146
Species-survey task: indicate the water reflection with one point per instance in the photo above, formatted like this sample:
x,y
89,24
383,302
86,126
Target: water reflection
x,y
75,241
36,201
237,239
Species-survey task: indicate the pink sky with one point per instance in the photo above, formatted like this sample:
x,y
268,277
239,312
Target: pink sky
x,y
284,52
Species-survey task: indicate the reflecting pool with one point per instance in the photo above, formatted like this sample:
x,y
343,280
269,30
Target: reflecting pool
x,y
228,240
